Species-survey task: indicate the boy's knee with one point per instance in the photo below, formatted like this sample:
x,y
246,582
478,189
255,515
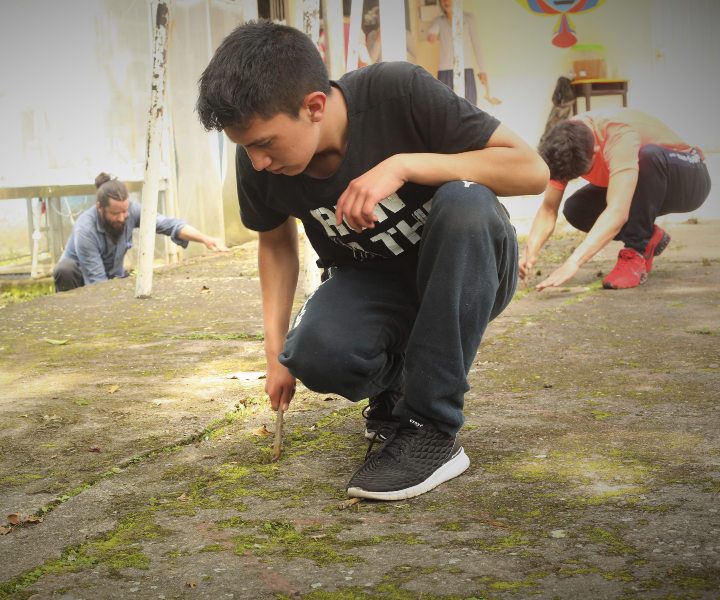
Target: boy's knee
x,y
320,364
468,205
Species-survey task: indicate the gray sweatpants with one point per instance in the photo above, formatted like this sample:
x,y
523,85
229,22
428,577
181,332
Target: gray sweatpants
x,y
371,320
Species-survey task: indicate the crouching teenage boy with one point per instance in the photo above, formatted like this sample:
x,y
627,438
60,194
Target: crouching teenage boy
x,y
638,170
396,180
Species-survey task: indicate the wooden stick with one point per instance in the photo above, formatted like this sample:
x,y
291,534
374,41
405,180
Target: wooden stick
x,y
278,434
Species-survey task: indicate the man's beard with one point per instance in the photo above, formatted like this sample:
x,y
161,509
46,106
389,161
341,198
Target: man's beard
x,y
114,231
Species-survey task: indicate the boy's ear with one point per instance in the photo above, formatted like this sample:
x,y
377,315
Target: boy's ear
x,y
314,103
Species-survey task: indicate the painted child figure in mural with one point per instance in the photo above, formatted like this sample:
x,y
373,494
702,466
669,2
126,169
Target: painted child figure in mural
x,y
400,203
441,29
638,170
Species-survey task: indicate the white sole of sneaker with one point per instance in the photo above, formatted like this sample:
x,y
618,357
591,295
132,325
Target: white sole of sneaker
x,y
454,467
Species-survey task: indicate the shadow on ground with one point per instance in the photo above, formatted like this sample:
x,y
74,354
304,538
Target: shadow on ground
x,y
592,428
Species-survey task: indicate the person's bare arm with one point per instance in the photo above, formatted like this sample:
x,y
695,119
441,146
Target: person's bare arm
x,y
619,197
542,227
190,234
507,165
279,266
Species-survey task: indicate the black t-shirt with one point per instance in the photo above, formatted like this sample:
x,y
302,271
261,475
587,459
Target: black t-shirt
x,y
393,108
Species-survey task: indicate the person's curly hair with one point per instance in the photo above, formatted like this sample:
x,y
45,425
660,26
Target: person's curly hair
x,y
568,150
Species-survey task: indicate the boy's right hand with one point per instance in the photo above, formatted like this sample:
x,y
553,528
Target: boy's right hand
x,y
279,385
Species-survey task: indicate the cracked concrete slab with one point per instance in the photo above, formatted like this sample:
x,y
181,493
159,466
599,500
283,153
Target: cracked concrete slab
x,y
592,429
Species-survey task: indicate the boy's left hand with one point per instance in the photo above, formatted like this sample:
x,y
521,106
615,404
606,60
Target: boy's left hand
x,y
359,200
560,276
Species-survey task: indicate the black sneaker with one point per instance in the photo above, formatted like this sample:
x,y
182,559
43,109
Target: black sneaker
x,y
415,458
378,413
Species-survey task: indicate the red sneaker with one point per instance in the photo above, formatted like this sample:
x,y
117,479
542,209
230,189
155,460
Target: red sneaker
x,y
629,271
658,242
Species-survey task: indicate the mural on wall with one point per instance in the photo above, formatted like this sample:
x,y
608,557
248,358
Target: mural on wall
x,y
564,34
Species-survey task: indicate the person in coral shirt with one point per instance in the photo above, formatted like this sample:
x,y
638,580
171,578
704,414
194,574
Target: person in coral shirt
x,y
638,169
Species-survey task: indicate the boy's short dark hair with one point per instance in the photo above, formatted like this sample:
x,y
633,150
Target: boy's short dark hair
x,y
568,150
260,70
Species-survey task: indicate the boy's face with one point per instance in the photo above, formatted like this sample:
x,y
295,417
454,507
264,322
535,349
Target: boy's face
x,y
281,145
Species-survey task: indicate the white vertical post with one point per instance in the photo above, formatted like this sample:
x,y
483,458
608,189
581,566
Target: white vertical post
x,y
458,50
148,217
334,38
311,26
354,34
392,23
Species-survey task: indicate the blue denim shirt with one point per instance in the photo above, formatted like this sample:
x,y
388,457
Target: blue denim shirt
x,y
93,249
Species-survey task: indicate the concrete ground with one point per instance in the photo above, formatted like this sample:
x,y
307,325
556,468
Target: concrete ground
x,y
592,429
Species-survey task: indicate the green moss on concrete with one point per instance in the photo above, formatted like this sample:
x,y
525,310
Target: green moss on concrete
x,y
611,539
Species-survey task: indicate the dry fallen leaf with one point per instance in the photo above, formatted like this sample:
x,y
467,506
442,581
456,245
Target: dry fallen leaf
x,y
317,537
14,518
190,584
243,376
4,530
30,519
19,416
55,342
205,290
210,456
262,430
348,503
113,389
183,498
95,449
54,456
275,468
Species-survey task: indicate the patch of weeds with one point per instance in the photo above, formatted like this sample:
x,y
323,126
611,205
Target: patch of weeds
x,y
619,576
612,539
212,336
694,580
454,526
18,479
677,305
497,585
119,549
506,542
212,548
316,543
175,554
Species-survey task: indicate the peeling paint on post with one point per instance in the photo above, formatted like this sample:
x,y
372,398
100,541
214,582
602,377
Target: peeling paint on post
x,y
311,26
148,218
311,19
458,52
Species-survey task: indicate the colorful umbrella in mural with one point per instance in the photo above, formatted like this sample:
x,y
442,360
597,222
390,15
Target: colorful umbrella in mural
x,y
564,34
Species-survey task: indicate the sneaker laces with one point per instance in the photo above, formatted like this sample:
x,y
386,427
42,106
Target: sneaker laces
x,y
393,446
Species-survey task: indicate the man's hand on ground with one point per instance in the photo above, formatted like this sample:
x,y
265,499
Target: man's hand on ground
x,y
216,245
560,276
280,386
359,200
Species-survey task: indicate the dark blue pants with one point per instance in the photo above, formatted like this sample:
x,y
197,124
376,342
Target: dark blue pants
x,y
446,77
369,321
668,182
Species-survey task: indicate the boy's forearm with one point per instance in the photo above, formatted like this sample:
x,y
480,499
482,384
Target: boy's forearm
x,y
279,267
506,171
